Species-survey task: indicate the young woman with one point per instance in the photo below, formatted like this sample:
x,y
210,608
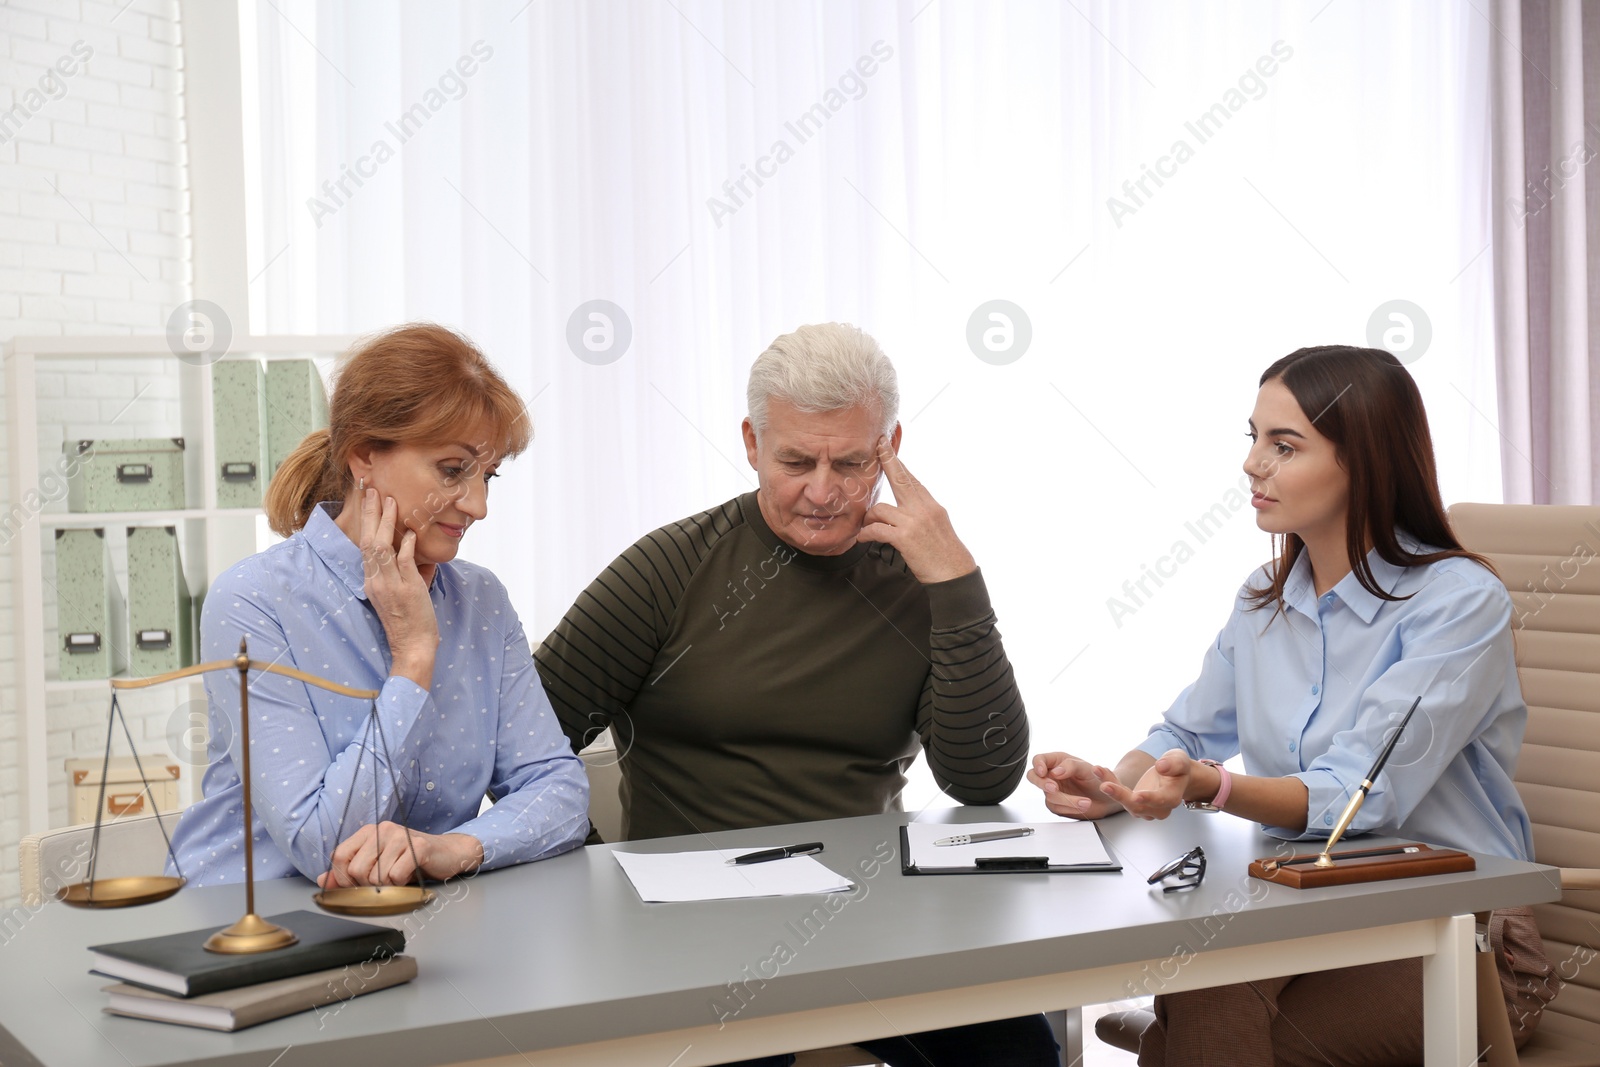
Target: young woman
x,y
1369,602
367,591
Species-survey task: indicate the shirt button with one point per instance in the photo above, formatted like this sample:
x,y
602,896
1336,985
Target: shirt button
x,y
1327,820
430,787
1291,749
1316,689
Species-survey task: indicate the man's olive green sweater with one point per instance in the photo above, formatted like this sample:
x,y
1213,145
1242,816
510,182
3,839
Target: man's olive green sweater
x,y
750,684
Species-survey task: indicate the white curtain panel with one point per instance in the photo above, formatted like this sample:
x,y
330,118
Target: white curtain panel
x,y
1166,197
1546,88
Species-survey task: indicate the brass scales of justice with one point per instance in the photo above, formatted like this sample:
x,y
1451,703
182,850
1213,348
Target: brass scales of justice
x,y
251,934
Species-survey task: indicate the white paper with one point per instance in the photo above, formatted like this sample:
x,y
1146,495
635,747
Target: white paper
x,y
1067,843
678,876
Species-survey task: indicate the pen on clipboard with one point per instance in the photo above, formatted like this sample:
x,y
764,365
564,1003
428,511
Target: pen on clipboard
x,y
810,848
985,835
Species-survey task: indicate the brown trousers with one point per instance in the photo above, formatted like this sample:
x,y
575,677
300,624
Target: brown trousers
x,y
1368,1016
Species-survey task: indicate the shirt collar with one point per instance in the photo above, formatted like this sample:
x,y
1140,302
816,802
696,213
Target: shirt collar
x,y
342,555
1300,594
1356,596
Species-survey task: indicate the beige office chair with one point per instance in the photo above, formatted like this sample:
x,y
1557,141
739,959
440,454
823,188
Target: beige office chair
x,y
1549,559
603,765
131,845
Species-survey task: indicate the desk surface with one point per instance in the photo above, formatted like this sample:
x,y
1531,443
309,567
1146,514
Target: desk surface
x,y
563,952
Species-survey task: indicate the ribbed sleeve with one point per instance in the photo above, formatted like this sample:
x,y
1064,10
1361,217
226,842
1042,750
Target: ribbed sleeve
x,y
599,656
971,719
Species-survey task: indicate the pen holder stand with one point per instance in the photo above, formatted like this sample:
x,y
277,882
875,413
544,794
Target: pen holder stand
x,y
1362,865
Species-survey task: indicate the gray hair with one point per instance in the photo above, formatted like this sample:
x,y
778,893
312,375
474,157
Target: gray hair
x,y
824,367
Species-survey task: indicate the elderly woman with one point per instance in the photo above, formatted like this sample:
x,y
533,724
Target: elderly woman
x,y
367,591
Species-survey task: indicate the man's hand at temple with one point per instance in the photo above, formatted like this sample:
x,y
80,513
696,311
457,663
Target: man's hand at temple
x,y
916,525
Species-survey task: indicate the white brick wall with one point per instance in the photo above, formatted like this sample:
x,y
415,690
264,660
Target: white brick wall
x,y
93,240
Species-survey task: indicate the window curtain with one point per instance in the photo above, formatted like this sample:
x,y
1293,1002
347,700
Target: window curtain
x,y
1166,198
1547,247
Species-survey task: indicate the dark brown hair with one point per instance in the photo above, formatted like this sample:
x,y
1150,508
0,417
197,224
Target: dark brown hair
x,y
413,384
1366,403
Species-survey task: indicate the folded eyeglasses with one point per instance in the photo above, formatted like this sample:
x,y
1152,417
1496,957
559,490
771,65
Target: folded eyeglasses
x,y
1188,870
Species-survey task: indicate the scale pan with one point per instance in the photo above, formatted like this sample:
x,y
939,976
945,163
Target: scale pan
x,y
374,899
119,892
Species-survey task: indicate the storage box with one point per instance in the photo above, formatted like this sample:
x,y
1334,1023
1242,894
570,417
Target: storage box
x,y
90,615
296,405
131,474
239,415
160,611
125,793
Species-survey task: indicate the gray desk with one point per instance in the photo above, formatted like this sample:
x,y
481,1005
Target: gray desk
x,y
560,963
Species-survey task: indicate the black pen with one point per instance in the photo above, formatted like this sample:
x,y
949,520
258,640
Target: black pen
x,y
810,848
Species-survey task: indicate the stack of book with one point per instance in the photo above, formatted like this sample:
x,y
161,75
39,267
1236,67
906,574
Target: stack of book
x,y
174,979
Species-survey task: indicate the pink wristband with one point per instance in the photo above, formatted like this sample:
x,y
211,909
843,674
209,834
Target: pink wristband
x,y
1215,803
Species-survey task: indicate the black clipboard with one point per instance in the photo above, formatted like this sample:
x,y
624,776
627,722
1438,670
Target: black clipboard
x,y
1007,864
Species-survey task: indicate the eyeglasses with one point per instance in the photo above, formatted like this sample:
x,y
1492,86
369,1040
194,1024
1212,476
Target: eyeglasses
x,y
1189,869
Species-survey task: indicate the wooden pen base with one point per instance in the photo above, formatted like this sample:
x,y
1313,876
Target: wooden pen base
x,y
1362,865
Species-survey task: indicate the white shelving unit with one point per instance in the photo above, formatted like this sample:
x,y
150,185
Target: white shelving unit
x,y
211,537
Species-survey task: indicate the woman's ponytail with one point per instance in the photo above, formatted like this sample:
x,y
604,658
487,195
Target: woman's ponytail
x,y
304,478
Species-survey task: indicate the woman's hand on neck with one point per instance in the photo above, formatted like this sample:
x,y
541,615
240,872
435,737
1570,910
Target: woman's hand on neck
x,y
349,520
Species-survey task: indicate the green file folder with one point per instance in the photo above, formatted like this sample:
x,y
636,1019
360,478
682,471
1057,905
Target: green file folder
x,y
296,405
239,415
91,621
160,610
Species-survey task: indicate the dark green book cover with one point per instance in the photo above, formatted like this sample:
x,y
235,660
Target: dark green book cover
x,y
179,963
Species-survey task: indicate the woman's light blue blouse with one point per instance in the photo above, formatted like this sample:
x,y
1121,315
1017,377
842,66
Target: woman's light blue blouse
x,y
1313,692
485,726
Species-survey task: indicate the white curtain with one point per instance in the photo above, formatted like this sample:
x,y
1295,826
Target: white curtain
x,y
1281,173
1547,247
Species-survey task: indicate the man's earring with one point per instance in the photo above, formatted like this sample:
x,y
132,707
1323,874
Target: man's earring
x,y
361,485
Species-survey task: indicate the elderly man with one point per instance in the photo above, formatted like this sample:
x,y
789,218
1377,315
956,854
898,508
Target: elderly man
x,y
781,657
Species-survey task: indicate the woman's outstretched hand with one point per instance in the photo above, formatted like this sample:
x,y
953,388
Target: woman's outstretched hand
x,y
1159,790
1073,787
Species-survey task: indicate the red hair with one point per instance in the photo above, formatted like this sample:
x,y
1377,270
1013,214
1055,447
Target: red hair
x,y
413,384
